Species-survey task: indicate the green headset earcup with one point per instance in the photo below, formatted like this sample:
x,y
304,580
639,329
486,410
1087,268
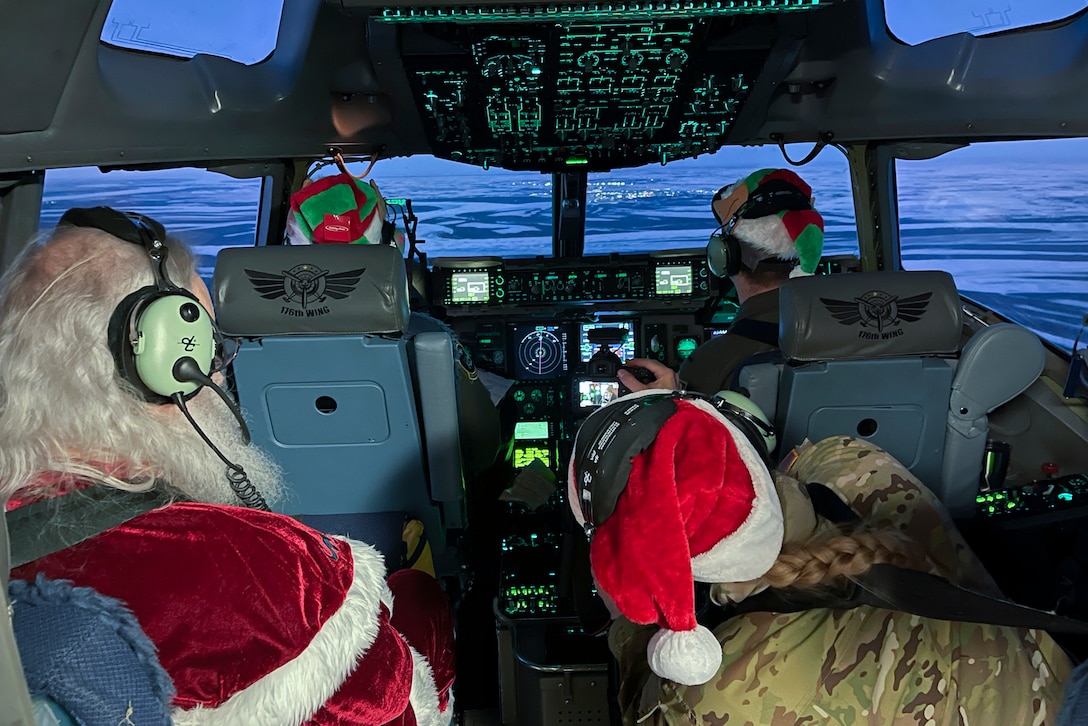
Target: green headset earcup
x,y
169,328
743,413
150,330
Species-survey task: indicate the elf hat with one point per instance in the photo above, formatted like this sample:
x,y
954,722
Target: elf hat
x,y
337,209
775,220
672,492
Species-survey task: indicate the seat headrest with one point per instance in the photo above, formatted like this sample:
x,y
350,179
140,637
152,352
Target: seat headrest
x,y
869,315
317,289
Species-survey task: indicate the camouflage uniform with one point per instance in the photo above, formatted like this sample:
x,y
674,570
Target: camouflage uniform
x,y
865,665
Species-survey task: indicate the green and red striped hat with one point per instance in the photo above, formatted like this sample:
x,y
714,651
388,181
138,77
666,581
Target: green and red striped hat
x,y
337,209
779,222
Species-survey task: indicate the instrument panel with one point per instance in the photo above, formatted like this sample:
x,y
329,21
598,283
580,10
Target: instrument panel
x,y
467,284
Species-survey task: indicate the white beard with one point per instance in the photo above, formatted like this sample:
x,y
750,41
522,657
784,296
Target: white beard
x,y
192,468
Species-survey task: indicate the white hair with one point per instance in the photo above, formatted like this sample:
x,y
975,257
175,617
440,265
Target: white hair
x,y
65,412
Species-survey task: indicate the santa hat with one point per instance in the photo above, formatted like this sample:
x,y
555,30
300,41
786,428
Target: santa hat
x,y
776,220
672,492
336,210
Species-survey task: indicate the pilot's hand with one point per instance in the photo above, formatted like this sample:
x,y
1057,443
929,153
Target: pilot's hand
x,y
665,378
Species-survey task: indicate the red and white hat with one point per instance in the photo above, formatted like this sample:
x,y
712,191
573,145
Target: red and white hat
x,y
699,505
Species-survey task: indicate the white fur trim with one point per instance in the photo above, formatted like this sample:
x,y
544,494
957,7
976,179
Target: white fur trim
x,y
295,234
690,657
766,234
751,550
373,233
424,696
293,693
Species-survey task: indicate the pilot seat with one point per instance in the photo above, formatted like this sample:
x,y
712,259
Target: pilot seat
x,y
362,417
878,355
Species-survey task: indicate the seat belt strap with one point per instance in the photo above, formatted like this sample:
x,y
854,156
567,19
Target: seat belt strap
x,y
909,591
761,331
930,596
51,525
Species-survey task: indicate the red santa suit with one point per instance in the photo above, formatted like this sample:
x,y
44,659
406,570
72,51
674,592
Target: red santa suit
x,y
259,619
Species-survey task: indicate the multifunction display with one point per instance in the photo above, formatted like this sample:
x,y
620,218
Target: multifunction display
x,y
468,281
464,283
625,351
673,280
540,351
470,287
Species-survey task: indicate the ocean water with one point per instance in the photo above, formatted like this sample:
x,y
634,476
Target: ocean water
x,y
1023,255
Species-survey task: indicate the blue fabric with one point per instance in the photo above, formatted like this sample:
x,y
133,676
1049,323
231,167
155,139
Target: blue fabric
x,y
86,653
1074,708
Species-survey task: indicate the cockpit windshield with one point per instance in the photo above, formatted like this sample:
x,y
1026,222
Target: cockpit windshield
x,y
244,31
917,21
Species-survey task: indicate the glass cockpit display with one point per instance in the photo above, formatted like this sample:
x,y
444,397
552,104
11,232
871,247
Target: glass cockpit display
x,y
531,430
532,441
591,394
673,280
470,287
541,351
587,349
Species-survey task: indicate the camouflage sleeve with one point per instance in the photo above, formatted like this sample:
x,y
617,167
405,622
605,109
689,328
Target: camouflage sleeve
x,y
887,496
865,665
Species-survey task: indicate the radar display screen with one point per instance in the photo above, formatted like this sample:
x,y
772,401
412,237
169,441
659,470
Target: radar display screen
x,y
626,350
530,430
470,287
672,280
597,393
541,351
525,455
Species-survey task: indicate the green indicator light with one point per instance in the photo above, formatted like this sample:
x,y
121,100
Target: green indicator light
x,y
685,347
1011,505
992,509
1065,497
485,341
576,162
612,12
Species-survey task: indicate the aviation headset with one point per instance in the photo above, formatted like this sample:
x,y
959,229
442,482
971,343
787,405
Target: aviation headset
x,y
609,440
723,251
162,339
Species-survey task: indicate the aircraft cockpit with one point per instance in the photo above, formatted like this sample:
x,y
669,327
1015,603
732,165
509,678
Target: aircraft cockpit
x,y
550,171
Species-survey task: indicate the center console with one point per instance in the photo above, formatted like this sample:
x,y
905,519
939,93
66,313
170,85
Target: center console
x,y
536,322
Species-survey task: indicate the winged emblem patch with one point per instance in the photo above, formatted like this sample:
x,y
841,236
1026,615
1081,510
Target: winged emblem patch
x,y
304,284
878,309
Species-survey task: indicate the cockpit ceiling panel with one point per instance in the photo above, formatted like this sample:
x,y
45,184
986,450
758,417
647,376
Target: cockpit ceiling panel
x,y
632,11
578,95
